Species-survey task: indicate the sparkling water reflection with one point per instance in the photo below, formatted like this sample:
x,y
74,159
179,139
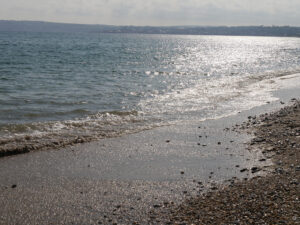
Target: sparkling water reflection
x,y
102,84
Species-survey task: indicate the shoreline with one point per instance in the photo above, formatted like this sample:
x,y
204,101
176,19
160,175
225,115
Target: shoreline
x,y
121,180
269,199
26,144
138,178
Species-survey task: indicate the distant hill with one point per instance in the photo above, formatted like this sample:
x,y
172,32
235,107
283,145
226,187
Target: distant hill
x,y
38,26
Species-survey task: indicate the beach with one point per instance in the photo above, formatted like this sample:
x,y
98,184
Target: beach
x,y
122,129
205,172
270,199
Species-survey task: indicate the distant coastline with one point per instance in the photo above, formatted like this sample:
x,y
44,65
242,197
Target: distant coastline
x,y
40,26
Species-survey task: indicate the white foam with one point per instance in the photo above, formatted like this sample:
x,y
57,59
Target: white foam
x,y
225,95
288,81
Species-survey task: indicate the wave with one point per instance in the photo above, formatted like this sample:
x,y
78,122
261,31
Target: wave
x,y
53,134
211,99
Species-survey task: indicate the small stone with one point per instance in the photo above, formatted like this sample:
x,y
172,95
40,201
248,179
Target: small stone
x,y
279,170
255,169
27,138
258,139
295,182
13,186
243,170
269,149
182,172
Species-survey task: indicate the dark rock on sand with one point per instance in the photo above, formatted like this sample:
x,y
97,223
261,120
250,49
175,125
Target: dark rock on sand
x,y
255,169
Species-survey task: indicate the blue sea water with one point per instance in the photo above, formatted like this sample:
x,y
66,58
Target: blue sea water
x,y
96,85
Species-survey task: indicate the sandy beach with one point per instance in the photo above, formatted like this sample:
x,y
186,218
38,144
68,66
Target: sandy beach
x,y
241,169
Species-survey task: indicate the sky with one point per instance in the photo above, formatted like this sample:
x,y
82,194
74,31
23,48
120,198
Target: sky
x,y
155,12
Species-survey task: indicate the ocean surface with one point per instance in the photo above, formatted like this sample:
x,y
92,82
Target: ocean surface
x,y
61,87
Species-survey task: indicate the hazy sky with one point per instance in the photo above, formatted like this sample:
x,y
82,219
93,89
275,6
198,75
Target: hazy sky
x,y
155,12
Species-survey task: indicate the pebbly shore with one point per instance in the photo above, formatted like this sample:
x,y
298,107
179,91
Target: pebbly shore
x,y
271,198
185,174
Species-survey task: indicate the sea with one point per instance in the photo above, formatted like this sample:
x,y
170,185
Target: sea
x,y
63,88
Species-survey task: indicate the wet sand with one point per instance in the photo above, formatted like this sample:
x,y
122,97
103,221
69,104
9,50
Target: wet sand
x,y
121,180
147,177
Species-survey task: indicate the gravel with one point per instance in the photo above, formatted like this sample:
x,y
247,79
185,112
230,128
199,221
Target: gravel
x,y
269,199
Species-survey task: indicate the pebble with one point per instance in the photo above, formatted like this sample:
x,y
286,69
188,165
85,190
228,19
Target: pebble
x,y
255,169
279,170
294,181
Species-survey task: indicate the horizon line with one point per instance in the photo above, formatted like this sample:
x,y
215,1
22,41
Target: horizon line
x,y
98,24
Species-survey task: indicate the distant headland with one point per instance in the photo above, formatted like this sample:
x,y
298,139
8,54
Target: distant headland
x,y
39,26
